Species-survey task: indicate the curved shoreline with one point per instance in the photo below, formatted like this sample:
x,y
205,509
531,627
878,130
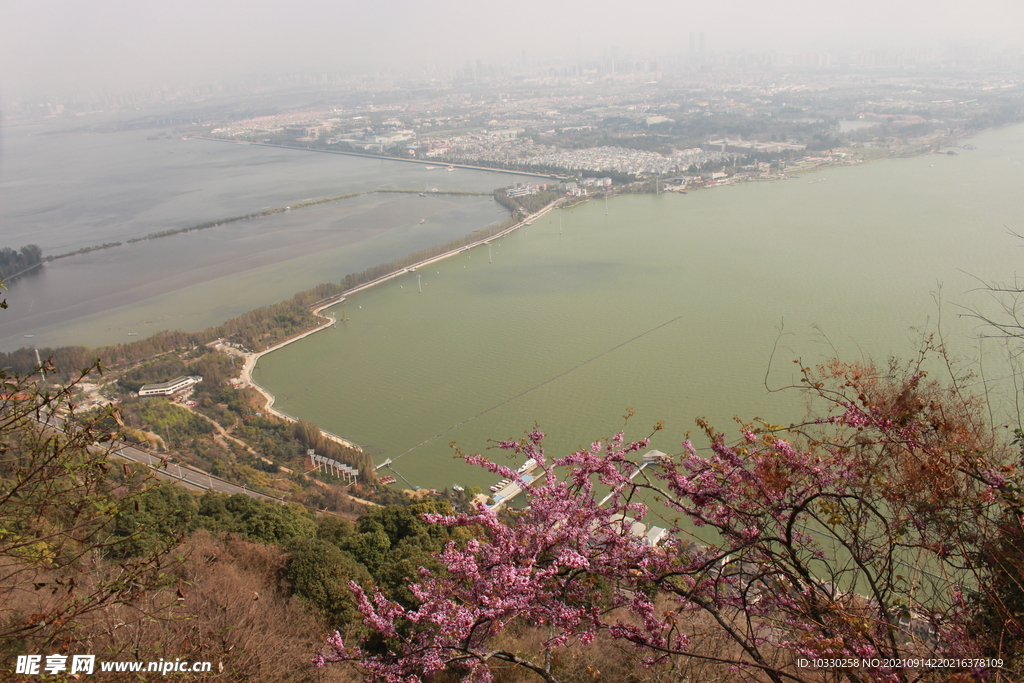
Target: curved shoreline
x,y
251,359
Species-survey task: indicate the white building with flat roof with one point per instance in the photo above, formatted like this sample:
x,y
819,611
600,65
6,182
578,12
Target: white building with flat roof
x,y
175,386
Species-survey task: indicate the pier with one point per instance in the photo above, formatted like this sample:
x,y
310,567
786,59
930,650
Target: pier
x,y
387,465
652,535
512,489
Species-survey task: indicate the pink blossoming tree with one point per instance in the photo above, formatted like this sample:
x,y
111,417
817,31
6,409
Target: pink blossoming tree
x,y
851,537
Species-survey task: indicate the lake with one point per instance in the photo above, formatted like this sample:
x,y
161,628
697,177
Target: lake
x,y
66,192
668,304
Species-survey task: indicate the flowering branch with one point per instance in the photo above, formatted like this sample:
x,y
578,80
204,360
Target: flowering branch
x,y
848,539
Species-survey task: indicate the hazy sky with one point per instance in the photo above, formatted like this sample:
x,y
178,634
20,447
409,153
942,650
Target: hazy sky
x,y
82,44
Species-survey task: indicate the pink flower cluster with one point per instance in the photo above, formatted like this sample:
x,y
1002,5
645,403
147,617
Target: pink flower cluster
x,y
779,515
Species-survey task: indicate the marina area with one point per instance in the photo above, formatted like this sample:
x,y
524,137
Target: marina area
x,y
506,490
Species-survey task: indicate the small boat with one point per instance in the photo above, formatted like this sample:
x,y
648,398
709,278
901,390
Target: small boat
x,y
450,169
422,221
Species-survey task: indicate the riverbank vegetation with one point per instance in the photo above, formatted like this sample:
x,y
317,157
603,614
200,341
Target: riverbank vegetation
x,y
518,208
282,209
257,329
217,222
84,250
525,205
15,262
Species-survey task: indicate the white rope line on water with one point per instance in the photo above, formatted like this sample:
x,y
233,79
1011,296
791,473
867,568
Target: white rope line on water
x,y
573,369
537,386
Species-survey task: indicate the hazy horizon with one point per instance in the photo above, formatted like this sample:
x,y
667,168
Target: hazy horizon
x,y
55,46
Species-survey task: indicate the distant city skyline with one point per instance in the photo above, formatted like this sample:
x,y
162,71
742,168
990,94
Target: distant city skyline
x,y
65,46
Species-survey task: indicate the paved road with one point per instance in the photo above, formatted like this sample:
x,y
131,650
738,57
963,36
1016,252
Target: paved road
x,y
183,475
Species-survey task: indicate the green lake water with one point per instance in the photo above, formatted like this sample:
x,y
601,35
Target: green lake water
x,y
668,304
